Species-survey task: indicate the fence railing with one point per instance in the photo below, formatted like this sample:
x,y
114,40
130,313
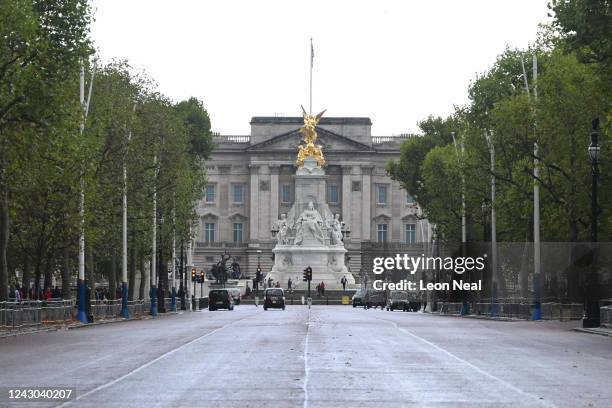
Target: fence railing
x,y
31,314
36,313
518,310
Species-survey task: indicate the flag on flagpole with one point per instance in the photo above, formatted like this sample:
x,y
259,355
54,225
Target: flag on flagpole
x,y
311,54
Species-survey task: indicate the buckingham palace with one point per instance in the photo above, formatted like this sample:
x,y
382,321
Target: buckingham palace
x,y
251,184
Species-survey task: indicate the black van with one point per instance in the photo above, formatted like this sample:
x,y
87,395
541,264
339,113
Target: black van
x,y
274,297
220,299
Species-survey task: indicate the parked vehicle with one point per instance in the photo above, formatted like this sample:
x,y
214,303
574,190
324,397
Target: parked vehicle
x,y
398,300
374,298
357,299
236,295
274,297
220,299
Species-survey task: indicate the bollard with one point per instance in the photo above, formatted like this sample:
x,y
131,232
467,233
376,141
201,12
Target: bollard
x,y
81,314
173,302
125,313
153,294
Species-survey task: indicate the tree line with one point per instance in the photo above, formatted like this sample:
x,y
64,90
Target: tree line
x,y
47,158
514,106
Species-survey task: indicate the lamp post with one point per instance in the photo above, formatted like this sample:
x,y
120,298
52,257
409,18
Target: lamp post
x,y
591,307
259,274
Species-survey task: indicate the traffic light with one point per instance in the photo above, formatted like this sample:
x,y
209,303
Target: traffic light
x,y
258,274
201,276
193,274
307,274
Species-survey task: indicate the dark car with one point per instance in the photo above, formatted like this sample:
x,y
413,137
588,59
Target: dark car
x,y
358,298
220,299
274,297
374,298
398,301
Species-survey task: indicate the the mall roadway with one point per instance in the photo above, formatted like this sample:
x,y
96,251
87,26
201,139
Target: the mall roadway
x,y
328,356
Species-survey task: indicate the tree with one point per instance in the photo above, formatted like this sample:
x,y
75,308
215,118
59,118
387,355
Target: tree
x,y
41,44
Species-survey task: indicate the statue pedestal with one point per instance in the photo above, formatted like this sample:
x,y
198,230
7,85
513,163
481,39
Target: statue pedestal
x,y
327,263
299,249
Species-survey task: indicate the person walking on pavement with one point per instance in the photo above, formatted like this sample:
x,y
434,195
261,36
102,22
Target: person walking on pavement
x,y
289,284
344,282
322,288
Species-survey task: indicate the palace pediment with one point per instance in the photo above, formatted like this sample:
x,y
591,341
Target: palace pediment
x,y
331,142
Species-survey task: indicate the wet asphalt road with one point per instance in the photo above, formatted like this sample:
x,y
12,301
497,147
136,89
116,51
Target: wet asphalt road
x,y
328,356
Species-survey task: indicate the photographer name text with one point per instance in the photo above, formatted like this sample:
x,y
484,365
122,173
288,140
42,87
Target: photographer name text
x,y
413,286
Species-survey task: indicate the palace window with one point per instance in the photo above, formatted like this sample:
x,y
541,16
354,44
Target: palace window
x,y
333,194
209,232
209,197
237,232
410,233
238,193
382,194
409,199
286,193
381,232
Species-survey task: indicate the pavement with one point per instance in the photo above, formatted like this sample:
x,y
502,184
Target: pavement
x,y
326,356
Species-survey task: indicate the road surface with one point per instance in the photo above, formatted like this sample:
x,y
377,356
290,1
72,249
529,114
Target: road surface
x,y
327,356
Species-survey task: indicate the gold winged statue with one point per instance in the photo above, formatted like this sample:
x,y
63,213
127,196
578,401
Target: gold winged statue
x,y
309,132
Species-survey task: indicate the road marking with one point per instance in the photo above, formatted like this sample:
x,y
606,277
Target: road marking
x,y
142,367
306,369
472,366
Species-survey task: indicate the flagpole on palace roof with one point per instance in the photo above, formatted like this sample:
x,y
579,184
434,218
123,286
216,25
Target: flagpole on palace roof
x,y
311,63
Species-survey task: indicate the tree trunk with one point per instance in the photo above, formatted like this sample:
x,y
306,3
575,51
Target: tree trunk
x,y
27,271
132,273
112,276
37,290
4,237
144,278
48,276
66,294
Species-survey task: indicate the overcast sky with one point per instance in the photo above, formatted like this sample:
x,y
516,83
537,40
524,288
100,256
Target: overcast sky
x,y
393,61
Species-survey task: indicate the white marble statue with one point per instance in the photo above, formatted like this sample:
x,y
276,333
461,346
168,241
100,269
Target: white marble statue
x,y
282,237
336,231
309,223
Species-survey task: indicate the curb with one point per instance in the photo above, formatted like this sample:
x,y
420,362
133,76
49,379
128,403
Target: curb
x,y
493,319
80,326
120,320
599,332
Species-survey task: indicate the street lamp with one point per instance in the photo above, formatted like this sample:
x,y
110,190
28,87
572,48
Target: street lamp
x,y
591,307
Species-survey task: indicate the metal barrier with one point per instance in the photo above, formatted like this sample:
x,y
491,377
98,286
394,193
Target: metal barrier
x,y
56,311
105,309
33,313
517,309
605,315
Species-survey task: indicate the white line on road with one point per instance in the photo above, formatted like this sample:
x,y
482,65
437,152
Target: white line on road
x,y
472,366
306,369
142,367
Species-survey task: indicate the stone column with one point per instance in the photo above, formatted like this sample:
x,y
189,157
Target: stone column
x,y
254,203
366,200
346,195
274,215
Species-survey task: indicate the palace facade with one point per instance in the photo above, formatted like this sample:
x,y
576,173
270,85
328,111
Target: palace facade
x,y
251,183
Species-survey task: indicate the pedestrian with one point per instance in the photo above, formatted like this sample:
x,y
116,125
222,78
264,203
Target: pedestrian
x,y
247,291
47,295
277,284
289,284
343,281
318,290
322,288
269,282
17,294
